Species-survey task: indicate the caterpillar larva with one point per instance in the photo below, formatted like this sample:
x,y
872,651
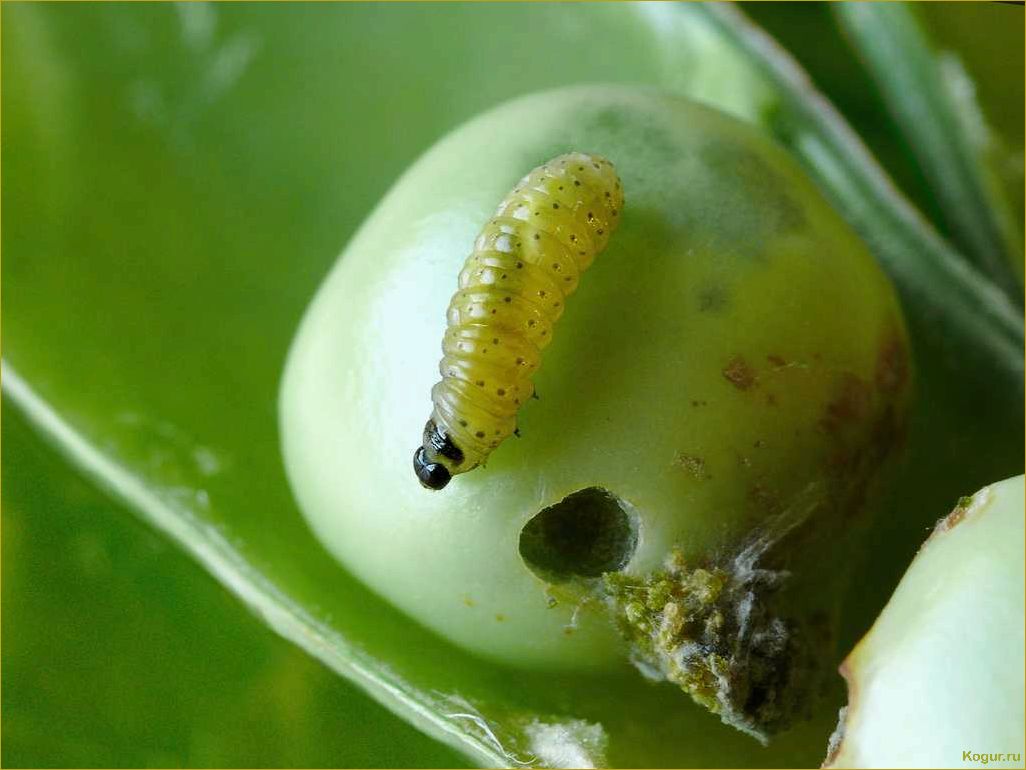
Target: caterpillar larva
x,y
512,290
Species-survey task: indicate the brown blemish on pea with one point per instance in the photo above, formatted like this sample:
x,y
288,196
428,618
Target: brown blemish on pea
x,y
739,373
954,518
972,504
777,361
850,406
891,365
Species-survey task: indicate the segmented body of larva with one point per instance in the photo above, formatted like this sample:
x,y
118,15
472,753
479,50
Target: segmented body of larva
x,y
512,289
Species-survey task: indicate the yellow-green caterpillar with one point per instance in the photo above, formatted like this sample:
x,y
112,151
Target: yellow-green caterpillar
x,y
512,290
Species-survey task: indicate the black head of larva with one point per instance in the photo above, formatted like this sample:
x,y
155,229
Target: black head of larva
x,y
437,445
430,475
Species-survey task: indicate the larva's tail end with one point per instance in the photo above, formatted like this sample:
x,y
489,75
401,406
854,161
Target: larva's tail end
x,y
431,475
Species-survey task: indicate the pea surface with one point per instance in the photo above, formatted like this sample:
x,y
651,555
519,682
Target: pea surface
x,y
735,354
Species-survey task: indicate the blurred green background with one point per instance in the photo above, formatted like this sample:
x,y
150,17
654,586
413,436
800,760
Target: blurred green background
x,y
176,180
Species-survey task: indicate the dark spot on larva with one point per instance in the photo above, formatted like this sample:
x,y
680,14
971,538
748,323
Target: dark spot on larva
x,y
573,239
543,332
498,433
516,401
484,350
537,213
561,187
531,322
503,276
480,434
520,361
463,423
537,237
520,265
507,299
501,392
739,373
569,277
580,168
577,183
555,205
541,294
493,311
600,231
480,383
555,304
494,444
608,194
615,212
591,217
556,266
495,340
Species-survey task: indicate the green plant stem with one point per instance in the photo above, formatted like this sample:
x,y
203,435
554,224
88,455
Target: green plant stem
x,y
944,130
